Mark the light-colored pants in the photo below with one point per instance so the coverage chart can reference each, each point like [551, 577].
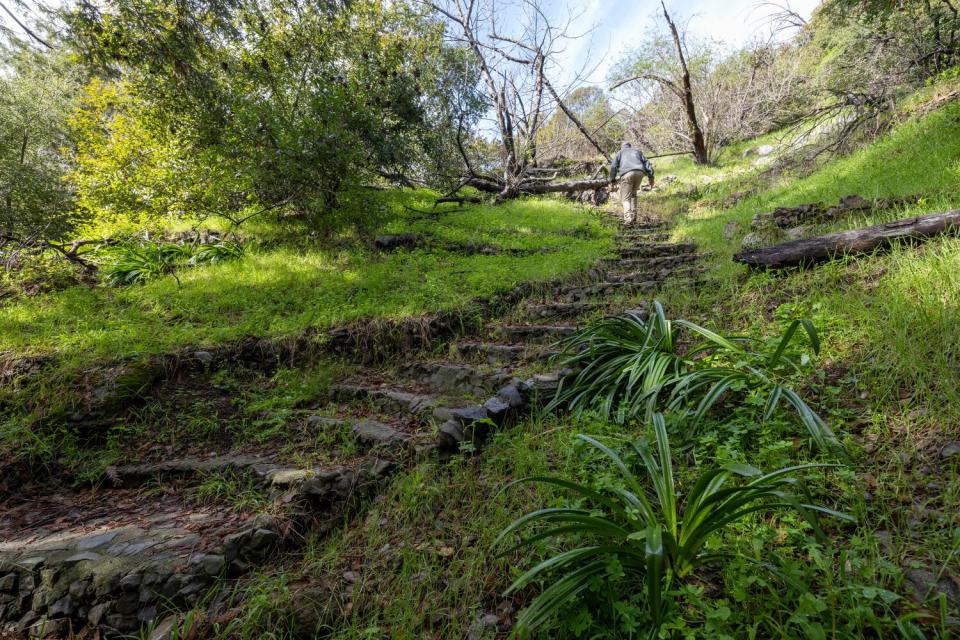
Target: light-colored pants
[629, 183]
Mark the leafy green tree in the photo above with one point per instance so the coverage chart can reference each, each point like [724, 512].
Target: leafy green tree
[37, 92]
[132, 172]
[296, 101]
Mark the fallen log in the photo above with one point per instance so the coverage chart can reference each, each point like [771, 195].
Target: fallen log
[820, 248]
[560, 187]
[530, 187]
[460, 200]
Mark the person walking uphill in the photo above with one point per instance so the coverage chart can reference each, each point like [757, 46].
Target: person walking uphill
[629, 166]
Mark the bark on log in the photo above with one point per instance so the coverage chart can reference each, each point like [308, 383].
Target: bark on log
[559, 187]
[536, 187]
[812, 250]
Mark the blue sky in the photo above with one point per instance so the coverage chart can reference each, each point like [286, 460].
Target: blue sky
[615, 24]
[612, 26]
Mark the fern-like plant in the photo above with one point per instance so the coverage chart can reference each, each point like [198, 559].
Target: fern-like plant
[629, 367]
[645, 529]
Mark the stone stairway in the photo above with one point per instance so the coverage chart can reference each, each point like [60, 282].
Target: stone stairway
[121, 557]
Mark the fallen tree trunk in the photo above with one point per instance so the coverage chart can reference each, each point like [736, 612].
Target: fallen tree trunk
[820, 248]
[533, 188]
[560, 187]
[460, 200]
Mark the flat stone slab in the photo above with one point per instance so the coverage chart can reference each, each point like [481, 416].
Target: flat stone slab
[521, 332]
[373, 433]
[653, 250]
[393, 400]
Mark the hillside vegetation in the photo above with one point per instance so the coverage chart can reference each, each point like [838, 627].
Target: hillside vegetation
[324, 320]
[885, 380]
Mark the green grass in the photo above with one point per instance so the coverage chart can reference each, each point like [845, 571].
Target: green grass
[886, 382]
[281, 289]
[889, 316]
[889, 328]
[293, 276]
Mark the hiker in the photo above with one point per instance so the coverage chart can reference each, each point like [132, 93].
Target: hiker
[629, 165]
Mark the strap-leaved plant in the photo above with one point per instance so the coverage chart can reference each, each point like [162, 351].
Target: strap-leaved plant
[629, 367]
[655, 536]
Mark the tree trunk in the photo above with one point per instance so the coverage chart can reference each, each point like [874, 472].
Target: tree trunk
[812, 250]
[576, 121]
[696, 133]
[535, 187]
[561, 187]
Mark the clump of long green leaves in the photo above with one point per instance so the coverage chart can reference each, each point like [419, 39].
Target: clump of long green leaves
[216, 252]
[630, 367]
[138, 263]
[645, 529]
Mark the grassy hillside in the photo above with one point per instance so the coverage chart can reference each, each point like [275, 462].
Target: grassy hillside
[290, 279]
[887, 316]
[283, 287]
[887, 383]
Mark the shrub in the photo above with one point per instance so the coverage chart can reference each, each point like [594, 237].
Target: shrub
[630, 367]
[634, 536]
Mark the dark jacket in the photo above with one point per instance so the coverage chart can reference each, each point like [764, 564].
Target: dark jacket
[628, 160]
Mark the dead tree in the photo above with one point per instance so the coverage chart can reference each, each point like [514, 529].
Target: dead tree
[682, 88]
[515, 69]
[37, 244]
[696, 133]
[31, 34]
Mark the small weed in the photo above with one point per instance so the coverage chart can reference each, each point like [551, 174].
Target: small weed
[239, 490]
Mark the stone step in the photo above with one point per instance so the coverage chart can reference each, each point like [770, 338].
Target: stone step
[372, 433]
[524, 332]
[577, 293]
[654, 249]
[366, 431]
[657, 275]
[111, 562]
[456, 377]
[389, 400]
[264, 468]
[642, 227]
[497, 353]
[624, 238]
[562, 309]
[658, 262]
